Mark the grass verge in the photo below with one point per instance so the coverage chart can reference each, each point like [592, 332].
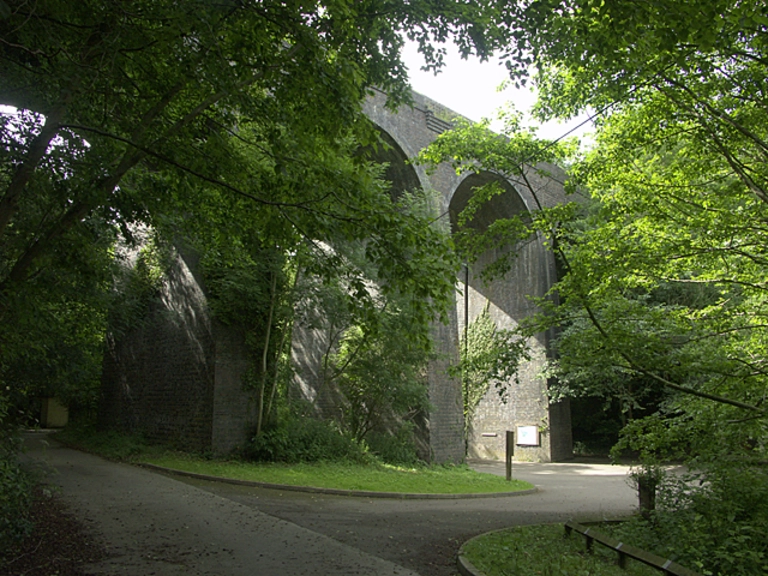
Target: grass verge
[544, 550]
[374, 476]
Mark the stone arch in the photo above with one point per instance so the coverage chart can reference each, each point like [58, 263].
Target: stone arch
[398, 171]
[509, 301]
[504, 205]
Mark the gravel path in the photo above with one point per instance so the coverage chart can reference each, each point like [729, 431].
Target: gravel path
[156, 524]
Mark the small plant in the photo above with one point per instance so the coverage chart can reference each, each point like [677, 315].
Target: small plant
[649, 439]
[646, 479]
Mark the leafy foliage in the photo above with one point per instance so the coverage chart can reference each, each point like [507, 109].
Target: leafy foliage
[84, 435]
[161, 113]
[239, 115]
[15, 484]
[661, 303]
[381, 376]
[489, 355]
[394, 448]
[714, 522]
[299, 439]
[520, 158]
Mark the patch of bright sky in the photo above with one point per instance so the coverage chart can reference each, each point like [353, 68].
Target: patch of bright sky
[470, 88]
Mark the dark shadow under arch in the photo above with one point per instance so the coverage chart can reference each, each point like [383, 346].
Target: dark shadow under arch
[505, 205]
[398, 171]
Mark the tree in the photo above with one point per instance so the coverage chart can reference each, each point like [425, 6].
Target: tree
[381, 375]
[149, 111]
[149, 85]
[166, 113]
[684, 146]
[663, 286]
[678, 175]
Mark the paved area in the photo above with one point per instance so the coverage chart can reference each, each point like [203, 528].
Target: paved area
[157, 524]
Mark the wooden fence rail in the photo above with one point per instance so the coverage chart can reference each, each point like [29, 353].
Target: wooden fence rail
[625, 550]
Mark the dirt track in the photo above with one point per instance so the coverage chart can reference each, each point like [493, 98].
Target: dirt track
[154, 524]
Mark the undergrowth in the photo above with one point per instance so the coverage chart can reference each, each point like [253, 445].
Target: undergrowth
[544, 550]
[15, 492]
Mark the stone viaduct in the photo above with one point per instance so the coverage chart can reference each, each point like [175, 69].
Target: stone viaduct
[179, 377]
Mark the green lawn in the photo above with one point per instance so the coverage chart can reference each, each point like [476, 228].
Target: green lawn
[347, 476]
[373, 476]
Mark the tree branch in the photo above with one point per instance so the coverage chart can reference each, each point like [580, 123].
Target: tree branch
[37, 149]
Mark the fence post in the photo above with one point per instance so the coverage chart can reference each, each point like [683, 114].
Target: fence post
[510, 453]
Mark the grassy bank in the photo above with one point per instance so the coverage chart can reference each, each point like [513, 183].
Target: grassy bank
[372, 476]
[544, 550]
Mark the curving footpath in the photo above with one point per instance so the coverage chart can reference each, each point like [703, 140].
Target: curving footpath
[167, 525]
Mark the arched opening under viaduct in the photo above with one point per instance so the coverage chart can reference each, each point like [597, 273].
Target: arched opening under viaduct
[541, 433]
[398, 171]
[438, 433]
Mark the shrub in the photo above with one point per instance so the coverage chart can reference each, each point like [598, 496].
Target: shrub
[398, 448]
[110, 444]
[303, 440]
[713, 521]
[15, 488]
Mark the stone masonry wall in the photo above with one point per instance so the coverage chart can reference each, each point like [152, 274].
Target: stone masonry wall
[446, 415]
[158, 378]
[176, 377]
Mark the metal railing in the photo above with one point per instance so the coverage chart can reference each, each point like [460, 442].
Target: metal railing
[626, 551]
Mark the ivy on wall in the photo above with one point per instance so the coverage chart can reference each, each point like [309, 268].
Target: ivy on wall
[489, 355]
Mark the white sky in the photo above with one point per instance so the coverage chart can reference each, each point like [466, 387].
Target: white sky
[470, 88]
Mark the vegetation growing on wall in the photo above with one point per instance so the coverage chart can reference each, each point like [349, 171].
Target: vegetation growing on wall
[142, 265]
[489, 355]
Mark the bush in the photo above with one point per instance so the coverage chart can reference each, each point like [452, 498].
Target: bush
[110, 444]
[303, 440]
[714, 522]
[397, 448]
[15, 492]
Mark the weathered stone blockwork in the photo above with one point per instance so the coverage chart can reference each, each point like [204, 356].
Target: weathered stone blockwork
[176, 378]
[409, 131]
